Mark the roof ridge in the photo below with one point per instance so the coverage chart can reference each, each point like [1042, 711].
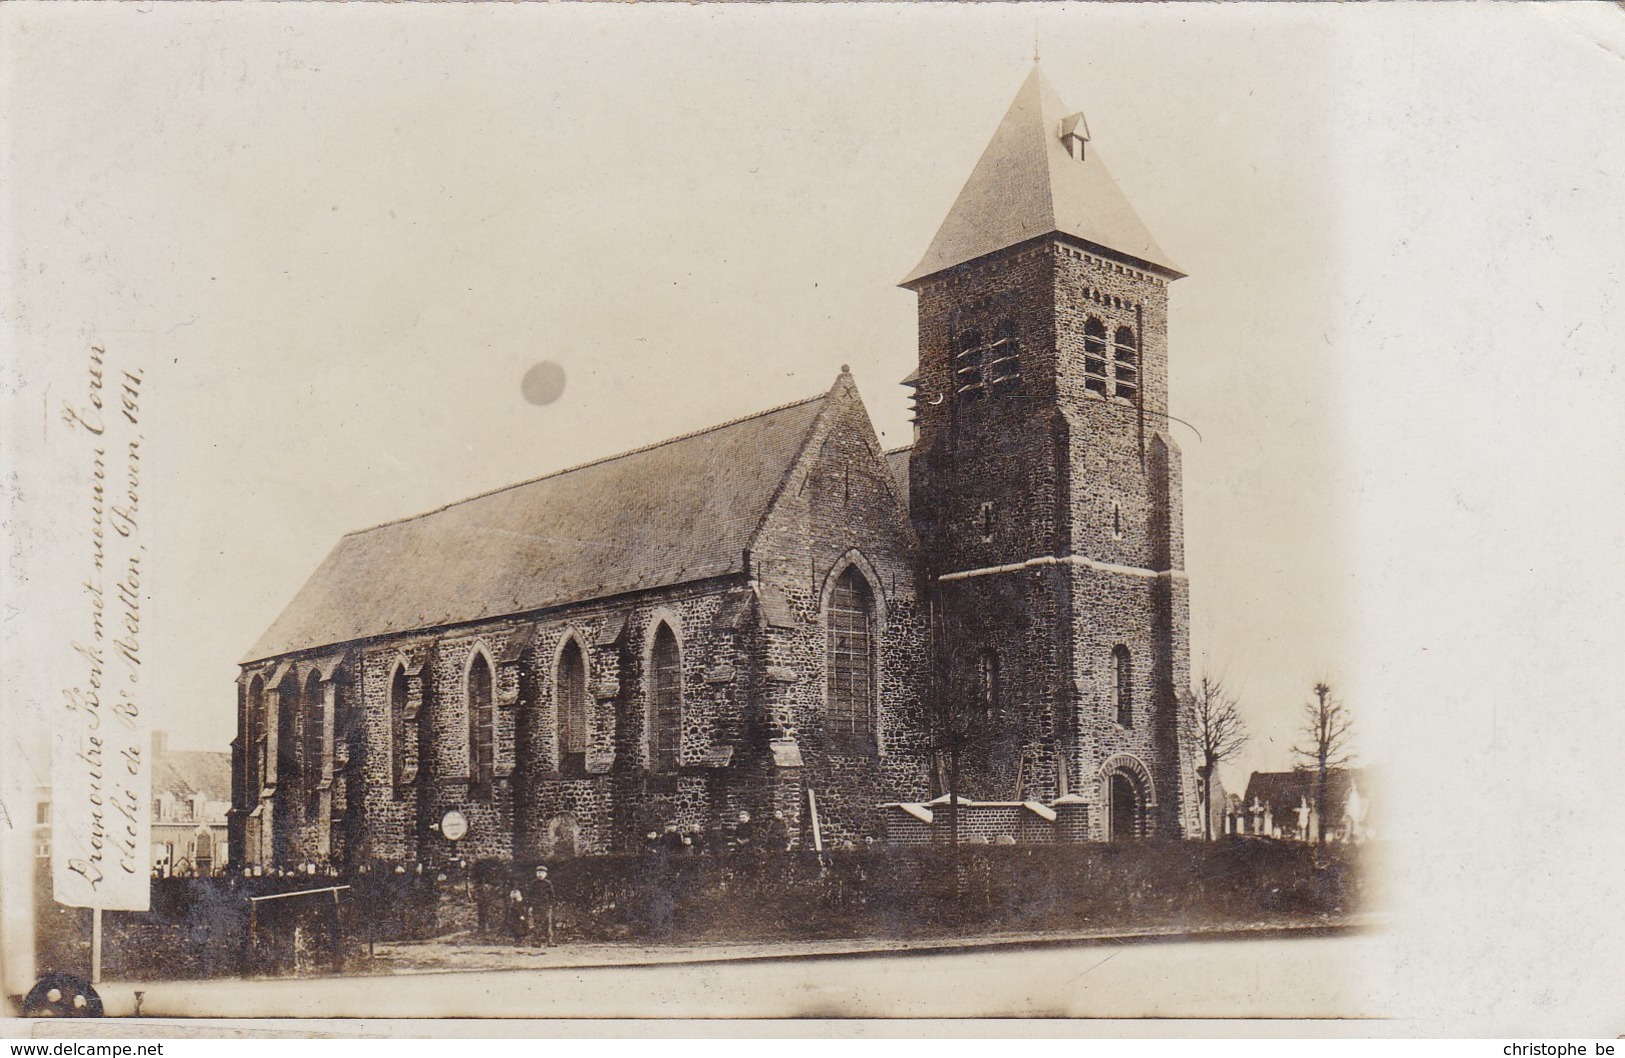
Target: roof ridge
[899, 448]
[594, 462]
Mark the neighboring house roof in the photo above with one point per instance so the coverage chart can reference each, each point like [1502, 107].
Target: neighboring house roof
[897, 463]
[184, 772]
[670, 513]
[1028, 183]
[1284, 791]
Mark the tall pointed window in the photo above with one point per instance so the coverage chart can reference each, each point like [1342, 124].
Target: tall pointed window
[287, 734]
[481, 700]
[254, 739]
[851, 662]
[315, 731]
[1094, 356]
[1123, 684]
[571, 700]
[1127, 355]
[398, 723]
[666, 700]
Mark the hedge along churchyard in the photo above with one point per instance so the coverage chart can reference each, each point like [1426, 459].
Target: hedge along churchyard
[202, 927]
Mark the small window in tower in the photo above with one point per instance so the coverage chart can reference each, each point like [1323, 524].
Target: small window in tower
[968, 366]
[1117, 521]
[1127, 356]
[987, 683]
[1123, 680]
[1094, 356]
[1003, 360]
[986, 521]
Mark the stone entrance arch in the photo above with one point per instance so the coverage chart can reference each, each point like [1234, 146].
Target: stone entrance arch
[1129, 796]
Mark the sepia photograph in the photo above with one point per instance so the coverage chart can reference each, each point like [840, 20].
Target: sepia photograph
[558, 513]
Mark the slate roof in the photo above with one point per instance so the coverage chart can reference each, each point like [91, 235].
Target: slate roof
[1283, 791]
[674, 512]
[1028, 184]
[183, 772]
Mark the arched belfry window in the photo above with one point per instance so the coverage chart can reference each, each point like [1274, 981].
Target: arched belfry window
[481, 698]
[666, 700]
[988, 366]
[850, 710]
[1094, 356]
[1123, 684]
[397, 728]
[1004, 360]
[571, 699]
[968, 365]
[1127, 354]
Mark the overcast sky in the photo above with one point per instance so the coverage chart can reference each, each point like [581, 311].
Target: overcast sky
[342, 234]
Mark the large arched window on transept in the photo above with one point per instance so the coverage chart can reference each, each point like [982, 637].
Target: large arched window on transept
[481, 698]
[1123, 684]
[571, 699]
[850, 709]
[665, 700]
[1094, 356]
[398, 727]
[1126, 353]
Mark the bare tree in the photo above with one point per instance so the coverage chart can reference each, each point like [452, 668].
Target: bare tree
[1215, 731]
[1327, 728]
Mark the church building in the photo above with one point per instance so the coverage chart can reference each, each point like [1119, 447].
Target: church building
[775, 616]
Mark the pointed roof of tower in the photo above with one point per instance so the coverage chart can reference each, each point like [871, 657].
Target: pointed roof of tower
[1031, 181]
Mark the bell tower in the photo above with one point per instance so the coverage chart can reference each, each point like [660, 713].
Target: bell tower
[1044, 485]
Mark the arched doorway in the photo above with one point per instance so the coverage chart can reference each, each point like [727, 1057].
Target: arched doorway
[1126, 818]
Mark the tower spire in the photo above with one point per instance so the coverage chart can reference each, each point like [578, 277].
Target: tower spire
[1035, 178]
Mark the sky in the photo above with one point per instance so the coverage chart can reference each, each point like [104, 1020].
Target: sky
[345, 239]
[338, 237]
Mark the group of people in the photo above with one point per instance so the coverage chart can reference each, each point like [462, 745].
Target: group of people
[530, 910]
[744, 835]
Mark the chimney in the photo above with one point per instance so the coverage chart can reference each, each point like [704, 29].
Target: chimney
[160, 743]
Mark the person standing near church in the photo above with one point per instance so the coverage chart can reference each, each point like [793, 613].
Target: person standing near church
[541, 905]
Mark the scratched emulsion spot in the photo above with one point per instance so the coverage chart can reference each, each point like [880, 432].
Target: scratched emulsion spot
[543, 383]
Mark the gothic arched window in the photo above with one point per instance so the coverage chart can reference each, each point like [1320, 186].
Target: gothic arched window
[397, 728]
[571, 700]
[1094, 356]
[254, 739]
[481, 698]
[850, 711]
[665, 700]
[314, 732]
[287, 734]
[1123, 684]
[1128, 359]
